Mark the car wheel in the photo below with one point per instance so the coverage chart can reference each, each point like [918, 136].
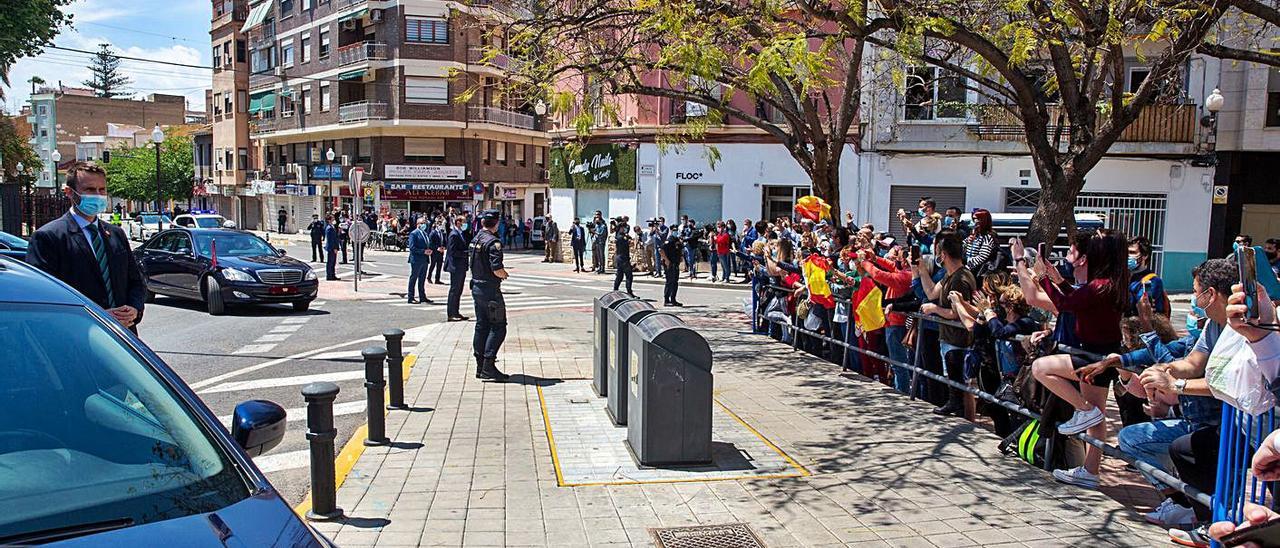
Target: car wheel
[301, 306]
[213, 297]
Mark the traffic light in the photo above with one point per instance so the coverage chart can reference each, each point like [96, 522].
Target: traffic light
[106, 156]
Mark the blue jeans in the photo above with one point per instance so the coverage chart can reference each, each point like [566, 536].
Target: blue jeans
[1150, 442]
[691, 259]
[898, 352]
[417, 277]
[725, 265]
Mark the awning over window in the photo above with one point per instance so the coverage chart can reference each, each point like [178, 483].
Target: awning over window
[352, 74]
[262, 102]
[257, 15]
[354, 15]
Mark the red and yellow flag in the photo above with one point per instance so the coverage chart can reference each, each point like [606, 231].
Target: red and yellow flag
[813, 208]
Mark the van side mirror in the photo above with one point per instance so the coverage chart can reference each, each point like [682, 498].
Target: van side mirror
[258, 426]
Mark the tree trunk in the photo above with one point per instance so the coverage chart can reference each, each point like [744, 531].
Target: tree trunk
[826, 185]
[1056, 208]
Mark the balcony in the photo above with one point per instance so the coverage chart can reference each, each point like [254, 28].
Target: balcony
[344, 4]
[476, 56]
[352, 113]
[232, 12]
[360, 52]
[262, 37]
[502, 117]
[509, 7]
[1159, 123]
[264, 125]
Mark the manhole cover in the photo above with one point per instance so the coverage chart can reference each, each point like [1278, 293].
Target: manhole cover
[733, 535]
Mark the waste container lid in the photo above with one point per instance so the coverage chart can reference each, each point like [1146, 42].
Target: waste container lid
[633, 310]
[610, 299]
[669, 332]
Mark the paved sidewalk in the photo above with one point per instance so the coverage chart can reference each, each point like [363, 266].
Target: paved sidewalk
[472, 464]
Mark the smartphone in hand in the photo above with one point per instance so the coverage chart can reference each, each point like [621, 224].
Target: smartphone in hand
[1043, 250]
[915, 253]
[1265, 534]
[1246, 261]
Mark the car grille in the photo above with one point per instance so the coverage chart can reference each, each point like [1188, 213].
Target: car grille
[280, 277]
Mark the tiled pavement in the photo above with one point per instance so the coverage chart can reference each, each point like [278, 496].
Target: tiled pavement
[471, 464]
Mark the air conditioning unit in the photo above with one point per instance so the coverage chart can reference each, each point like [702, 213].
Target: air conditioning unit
[375, 15]
[279, 72]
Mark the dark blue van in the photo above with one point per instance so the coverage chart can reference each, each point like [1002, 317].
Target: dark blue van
[102, 444]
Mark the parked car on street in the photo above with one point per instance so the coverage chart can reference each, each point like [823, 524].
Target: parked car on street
[13, 246]
[145, 225]
[224, 267]
[203, 220]
[102, 444]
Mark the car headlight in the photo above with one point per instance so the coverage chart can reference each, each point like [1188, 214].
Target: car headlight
[234, 275]
[310, 275]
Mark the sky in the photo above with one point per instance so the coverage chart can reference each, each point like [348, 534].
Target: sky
[165, 30]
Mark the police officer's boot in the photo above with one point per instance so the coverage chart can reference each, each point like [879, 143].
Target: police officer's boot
[491, 370]
[480, 372]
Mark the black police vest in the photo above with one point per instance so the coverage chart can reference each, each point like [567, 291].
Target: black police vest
[481, 246]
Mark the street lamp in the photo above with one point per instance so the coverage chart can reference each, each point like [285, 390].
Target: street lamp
[329, 155]
[540, 108]
[157, 137]
[55, 157]
[24, 180]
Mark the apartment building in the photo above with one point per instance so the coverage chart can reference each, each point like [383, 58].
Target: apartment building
[377, 83]
[59, 117]
[233, 155]
[1247, 145]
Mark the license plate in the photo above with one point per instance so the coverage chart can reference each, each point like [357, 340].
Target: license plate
[288, 290]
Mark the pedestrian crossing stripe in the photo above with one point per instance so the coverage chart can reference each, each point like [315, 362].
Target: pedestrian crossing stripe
[284, 381]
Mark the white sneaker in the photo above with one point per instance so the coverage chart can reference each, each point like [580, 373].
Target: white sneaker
[1172, 515]
[1077, 476]
[1081, 421]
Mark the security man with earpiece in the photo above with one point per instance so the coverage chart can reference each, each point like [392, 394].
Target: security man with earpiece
[487, 273]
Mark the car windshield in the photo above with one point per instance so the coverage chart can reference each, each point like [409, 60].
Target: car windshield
[91, 434]
[232, 244]
[12, 241]
[209, 222]
[153, 219]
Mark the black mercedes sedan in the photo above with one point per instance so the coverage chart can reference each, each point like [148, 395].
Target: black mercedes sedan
[224, 267]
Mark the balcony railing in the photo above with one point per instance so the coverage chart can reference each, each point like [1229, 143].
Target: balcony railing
[360, 52]
[262, 37]
[476, 56]
[510, 7]
[1158, 123]
[502, 117]
[351, 113]
[264, 125]
[344, 4]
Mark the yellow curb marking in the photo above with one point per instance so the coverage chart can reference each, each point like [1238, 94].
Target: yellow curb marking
[350, 454]
[801, 471]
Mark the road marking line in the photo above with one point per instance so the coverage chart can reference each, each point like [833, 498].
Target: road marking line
[300, 319]
[249, 369]
[300, 413]
[283, 461]
[275, 382]
[254, 348]
[318, 303]
[339, 355]
[273, 337]
[384, 301]
[285, 328]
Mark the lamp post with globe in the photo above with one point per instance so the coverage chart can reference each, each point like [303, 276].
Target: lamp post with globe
[157, 137]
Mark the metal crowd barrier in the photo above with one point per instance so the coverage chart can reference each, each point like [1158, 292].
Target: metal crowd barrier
[917, 372]
[1239, 437]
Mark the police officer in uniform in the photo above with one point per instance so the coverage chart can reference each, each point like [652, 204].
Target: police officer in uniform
[487, 273]
[622, 257]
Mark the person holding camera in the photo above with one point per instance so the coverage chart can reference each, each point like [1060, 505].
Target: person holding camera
[622, 256]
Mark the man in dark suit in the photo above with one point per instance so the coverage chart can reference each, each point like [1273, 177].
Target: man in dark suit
[435, 240]
[332, 241]
[419, 258]
[88, 254]
[578, 241]
[456, 264]
[316, 229]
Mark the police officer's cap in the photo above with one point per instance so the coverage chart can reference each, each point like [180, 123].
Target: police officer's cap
[490, 215]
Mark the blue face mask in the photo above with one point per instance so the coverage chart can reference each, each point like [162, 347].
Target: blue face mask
[1133, 263]
[1235, 246]
[947, 221]
[92, 204]
[920, 211]
[1193, 321]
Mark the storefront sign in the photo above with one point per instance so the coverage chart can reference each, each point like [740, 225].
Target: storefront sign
[261, 187]
[688, 175]
[426, 191]
[603, 166]
[325, 171]
[647, 170]
[291, 189]
[426, 172]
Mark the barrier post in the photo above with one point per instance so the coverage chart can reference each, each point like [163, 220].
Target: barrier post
[848, 339]
[395, 368]
[374, 358]
[320, 436]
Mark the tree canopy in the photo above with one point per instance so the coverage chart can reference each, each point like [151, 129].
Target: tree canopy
[131, 174]
[26, 26]
[107, 81]
[14, 148]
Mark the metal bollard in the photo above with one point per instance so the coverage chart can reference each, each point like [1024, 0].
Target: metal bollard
[321, 434]
[395, 368]
[374, 358]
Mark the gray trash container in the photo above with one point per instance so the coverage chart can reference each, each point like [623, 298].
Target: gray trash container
[625, 313]
[669, 414]
[599, 358]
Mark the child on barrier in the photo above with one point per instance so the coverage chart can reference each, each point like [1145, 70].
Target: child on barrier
[1102, 300]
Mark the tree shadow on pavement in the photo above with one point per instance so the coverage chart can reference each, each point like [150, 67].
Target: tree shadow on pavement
[529, 380]
[364, 523]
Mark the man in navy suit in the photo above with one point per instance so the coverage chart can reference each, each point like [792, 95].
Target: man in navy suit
[88, 254]
[420, 252]
[332, 241]
[435, 240]
[578, 241]
[456, 264]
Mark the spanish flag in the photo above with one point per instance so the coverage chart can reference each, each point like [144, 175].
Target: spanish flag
[813, 208]
[815, 275]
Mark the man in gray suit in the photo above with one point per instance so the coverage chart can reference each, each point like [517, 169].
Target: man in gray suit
[551, 241]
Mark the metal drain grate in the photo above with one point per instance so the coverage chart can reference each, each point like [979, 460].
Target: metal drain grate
[733, 535]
